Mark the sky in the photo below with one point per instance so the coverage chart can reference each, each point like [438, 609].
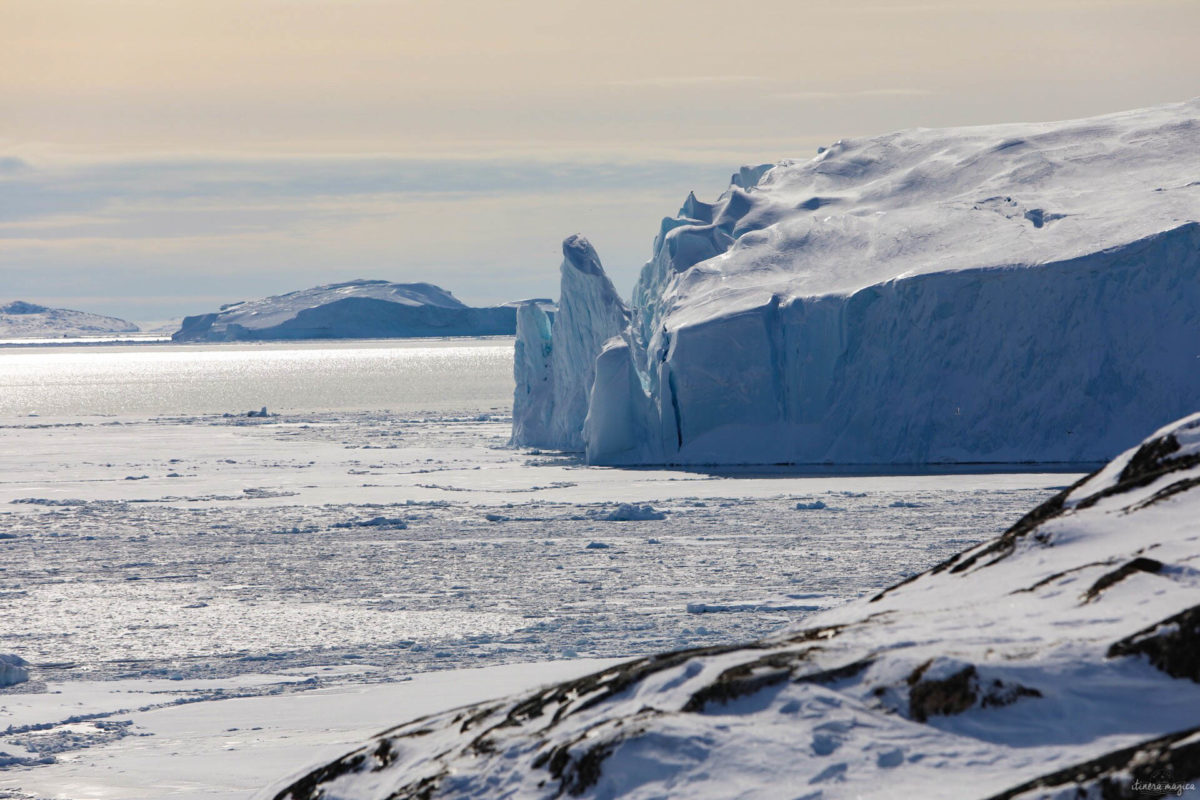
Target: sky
[164, 157]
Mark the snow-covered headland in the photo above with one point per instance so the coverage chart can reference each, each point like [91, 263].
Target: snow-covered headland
[1057, 660]
[21, 320]
[359, 309]
[1009, 293]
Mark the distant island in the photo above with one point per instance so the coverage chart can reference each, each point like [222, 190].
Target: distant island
[21, 320]
[358, 309]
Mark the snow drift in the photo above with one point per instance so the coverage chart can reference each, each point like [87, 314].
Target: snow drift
[20, 319]
[961, 295]
[1057, 660]
[358, 309]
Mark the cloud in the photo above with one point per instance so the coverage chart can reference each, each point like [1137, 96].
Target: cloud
[824, 94]
[91, 192]
[165, 227]
[670, 82]
[10, 165]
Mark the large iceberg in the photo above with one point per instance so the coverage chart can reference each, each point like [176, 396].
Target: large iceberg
[19, 319]
[554, 362]
[358, 309]
[958, 295]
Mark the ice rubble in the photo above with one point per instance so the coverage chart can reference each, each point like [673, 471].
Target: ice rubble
[960, 295]
[353, 310]
[1059, 659]
[19, 319]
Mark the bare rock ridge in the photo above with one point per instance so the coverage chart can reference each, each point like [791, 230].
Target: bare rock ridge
[19, 319]
[970, 295]
[1056, 660]
[359, 309]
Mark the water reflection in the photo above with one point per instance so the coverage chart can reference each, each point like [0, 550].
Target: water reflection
[400, 375]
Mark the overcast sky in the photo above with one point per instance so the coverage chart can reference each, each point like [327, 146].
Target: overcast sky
[162, 157]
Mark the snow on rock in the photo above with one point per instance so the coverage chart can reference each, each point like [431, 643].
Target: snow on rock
[555, 362]
[1057, 660]
[353, 310]
[12, 670]
[975, 294]
[19, 319]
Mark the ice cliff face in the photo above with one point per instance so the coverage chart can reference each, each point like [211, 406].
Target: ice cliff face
[353, 310]
[554, 365]
[1060, 659]
[970, 295]
[12, 669]
[21, 319]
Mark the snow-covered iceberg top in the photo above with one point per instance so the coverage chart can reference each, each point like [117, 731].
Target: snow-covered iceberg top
[19, 320]
[1057, 660]
[354, 309]
[955, 295]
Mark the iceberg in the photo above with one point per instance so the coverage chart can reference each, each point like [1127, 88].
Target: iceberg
[555, 364]
[358, 309]
[19, 319]
[12, 669]
[977, 294]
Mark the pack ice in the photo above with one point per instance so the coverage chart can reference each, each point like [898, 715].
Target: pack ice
[358, 309]
[1058, 660]
[959, 295]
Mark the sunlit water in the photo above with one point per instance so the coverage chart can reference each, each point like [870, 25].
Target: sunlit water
[399, 375]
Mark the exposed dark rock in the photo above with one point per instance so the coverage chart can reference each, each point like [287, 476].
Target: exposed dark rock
[998, 694]
[952, 695]
[309, 786]
[1161, 767]
[1172, 645]
[1151, 461]
[1139, 564]
[576, 774]
[836, 674]
[1062, 573]
[421, 790]
[958, 692]
[746, 679]
[601, 686]
[1149, 458]
[1167, 491]
[1000, 547]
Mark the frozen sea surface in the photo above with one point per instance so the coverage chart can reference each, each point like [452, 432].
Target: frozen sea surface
[213, 546]
[201, 595]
